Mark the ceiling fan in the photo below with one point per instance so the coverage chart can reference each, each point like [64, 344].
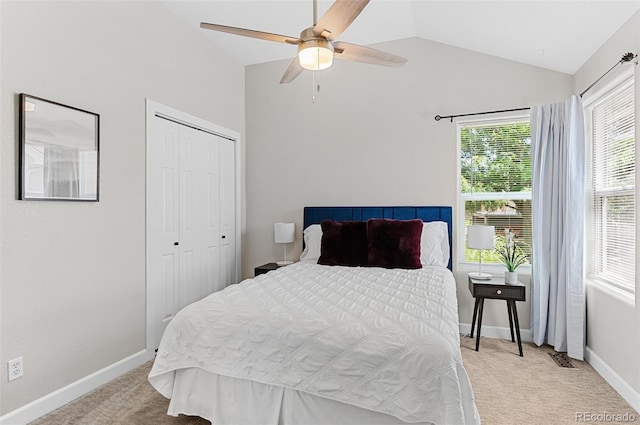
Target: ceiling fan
[316, 45]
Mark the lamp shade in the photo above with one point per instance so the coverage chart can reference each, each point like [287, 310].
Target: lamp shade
[481, 237]
[285, 232]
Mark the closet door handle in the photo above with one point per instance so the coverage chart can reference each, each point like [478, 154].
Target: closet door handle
[223, 236]
[176, 243]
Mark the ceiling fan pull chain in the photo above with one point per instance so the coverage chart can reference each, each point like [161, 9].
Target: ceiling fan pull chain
[317, 74]
[316, 82]
[316, 85]
[313, 87]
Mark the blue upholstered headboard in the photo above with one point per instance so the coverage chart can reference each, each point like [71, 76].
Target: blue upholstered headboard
[315, 215]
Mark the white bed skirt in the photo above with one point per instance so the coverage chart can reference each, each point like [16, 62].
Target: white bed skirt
[261, 404]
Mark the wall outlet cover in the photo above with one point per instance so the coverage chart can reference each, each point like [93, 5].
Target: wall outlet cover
[15, 368]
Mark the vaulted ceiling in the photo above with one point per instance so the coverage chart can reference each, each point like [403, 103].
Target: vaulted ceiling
[558, 35]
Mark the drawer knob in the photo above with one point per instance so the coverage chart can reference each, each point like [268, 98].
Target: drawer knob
[499, 291]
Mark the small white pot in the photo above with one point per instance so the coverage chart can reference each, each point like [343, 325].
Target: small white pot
[510, 277]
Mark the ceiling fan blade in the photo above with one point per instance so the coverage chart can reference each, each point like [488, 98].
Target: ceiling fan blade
[357, 53]
[251, 33]
[339, 16]
[292, 71]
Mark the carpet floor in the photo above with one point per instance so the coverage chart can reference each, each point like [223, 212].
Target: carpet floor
[509, 390]
[533, 389]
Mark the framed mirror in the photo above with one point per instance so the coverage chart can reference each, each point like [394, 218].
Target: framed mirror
[59, 151]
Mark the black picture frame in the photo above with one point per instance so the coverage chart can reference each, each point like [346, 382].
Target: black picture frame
[59, 151]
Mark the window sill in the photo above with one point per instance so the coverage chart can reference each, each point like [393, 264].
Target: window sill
[625, 296]
[491, 268]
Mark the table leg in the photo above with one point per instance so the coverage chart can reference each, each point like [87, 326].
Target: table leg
[517, 325]
[510, 313]
[479, 323]
[475, 314]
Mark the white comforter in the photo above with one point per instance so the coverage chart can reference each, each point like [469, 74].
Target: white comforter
[382, 339]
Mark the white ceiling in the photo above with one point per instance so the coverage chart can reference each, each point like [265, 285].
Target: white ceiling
[558, 35]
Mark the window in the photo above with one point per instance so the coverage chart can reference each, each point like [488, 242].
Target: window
[610, 123]
[495, 179]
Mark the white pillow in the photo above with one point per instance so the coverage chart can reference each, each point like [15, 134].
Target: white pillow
[434, 244]
[312, 237]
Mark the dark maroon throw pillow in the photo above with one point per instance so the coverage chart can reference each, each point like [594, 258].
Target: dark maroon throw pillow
[343, 244]
[394, 243]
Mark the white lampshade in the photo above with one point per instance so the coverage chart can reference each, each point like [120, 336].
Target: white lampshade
[481, 237]
[285, 232]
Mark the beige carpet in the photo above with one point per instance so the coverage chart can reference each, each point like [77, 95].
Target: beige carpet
[128, 400]
[533, 390]
[509, 389]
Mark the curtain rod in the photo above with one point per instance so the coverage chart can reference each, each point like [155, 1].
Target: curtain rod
[451, 117]
[627, 57]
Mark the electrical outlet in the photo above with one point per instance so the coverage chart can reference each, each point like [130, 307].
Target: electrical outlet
[15, 368]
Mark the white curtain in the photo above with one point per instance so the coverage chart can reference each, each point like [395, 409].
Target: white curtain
[61, 172]
[557, 288]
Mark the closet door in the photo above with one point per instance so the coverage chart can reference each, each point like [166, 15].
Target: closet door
[194, 233]
[163, 265]
[191, 218]
[211, 271]
[227, 214]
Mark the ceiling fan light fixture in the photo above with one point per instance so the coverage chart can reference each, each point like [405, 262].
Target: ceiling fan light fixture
[315, 55]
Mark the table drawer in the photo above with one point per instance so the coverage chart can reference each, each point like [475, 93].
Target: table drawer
[502, 292]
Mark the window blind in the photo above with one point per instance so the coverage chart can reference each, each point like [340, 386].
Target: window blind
[495, 176]
[611, 129]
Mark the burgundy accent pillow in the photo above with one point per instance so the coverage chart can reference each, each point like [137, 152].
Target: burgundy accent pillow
[394, 243]
[343, 244]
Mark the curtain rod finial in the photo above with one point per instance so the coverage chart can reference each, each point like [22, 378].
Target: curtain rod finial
[437, 117]
[627, 57]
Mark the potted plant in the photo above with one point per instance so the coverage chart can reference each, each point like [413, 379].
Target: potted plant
[512, 255]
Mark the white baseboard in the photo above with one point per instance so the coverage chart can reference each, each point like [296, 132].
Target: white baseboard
[58, 398]
[496, 332]
[620, 385]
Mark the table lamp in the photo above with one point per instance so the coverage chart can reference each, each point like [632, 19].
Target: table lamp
[480, 238]
[285, 233]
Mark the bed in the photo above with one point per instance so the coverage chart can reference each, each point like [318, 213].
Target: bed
[330, 343]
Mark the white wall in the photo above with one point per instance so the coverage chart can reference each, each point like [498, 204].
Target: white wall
[613, 321]
[73, 274]
[371, 139]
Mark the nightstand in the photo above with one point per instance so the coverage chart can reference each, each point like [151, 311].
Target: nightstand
[265, 268]
[496, 289]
